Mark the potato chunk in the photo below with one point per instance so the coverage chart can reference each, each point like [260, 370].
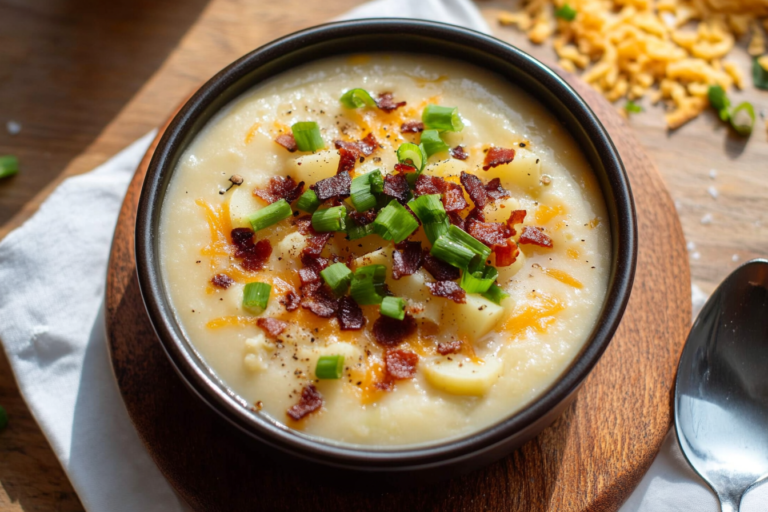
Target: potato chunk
[421, 303]
[257, 352]
[312, 168]
[242, 203]
[524, 171]
[463, 377]
[451, 167]
[476, 317]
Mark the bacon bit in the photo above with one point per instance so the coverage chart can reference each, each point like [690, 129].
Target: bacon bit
[497, 156]
[452, 347]
[350, 315]
[287, 141]
[516, 217]
[396, 186]
[404, 168]
[272, 326]
[475, 188]
[428, 184]
[311, 400]
[254, 256]
[439, 269]
[222, 281]
[490, 233]
[412, 127]
[400, 365]
[506, 254]
[304, 225]
[495, 190]
[406, 259]
[291, 301]
[390, 332]
[348, 156]
[365, 146]
[315, 244]
[387, 103]
[363, 218]
[535, 236]
[474, 214]
[318, 301]
[456, 219]
[336, 187]
[312, 267]
[280, 188]
[453, 196]
[449, 290]
[458, 153]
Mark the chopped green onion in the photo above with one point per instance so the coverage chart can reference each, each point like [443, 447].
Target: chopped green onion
[3, 418]
[377, 181]
[457, 248]
[307, 135]
[362, 197]
[256, 296]
[355, 232]
[269, 215]
[719, 101]
[337, 277]
[566, 12]
[430, 211]
[308, 202]
[329, 219]
[495, 294]
[329, 367]
[356, 98]
[432, 143]
[393, 307]
[743, 118]
[479, 281]
[444, 119]
[631, 107]
[394, 222]
[411, 154]
[759, 75]
[9, 165]
[368, 284]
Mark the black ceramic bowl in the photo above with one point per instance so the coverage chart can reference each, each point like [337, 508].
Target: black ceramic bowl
[405, 464]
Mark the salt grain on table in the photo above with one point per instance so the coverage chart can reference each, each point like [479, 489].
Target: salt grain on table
[735, 257]
[690, 246]
[712, 173]
[707, 219]
[696, 255]
[712, 191]
[13, 127]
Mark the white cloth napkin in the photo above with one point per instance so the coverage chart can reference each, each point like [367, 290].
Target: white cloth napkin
[52, 273]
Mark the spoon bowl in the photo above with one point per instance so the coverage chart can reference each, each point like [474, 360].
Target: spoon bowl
[721, 392]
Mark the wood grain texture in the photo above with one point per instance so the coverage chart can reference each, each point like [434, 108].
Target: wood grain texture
[589, 459]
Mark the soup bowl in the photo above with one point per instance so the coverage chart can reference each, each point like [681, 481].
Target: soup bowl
[411, 464]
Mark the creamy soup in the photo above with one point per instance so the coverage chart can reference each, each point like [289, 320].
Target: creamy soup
[402, 334]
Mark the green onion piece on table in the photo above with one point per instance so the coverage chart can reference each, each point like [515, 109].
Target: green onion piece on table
[9, 165]
[337, 277]
[759, 74]
[329, 367]
[3, 418]
[307, 136]
[393, 307]
[444, 119]
[479, 281]
[719, 101]
[495, 294]
[432, 142]
[329, 219]
[269, 215]
[566, 12]
[308, 202]
[356, 98]
[631, 107]
[411, 154]
[431, 212]
[743, 119]
[256, 296]
[394, 222]
[367, 285]
[458, 248]
[362, 197]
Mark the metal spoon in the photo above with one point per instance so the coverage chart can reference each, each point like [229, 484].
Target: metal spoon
[721, 393]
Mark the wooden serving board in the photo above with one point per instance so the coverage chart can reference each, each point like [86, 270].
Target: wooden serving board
[589, 459]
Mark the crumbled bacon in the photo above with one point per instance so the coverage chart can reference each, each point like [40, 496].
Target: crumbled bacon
[449, 290]
[291, 301]
[350, 315]
[490, 233]
[412, 127]
[387, 103]
[516, 217]
[458, 153]
[451, 347]
[280, 188]
[311, 400]
[400, 365]
[254, 255]
[287, 141]
[363, 218]
[535, 236]
[390, 332]
[320, 302]
[304, 225]
[222, 281]
[272, 326]
[456, 219]
[336, 187]
[474, 187]
[506, 254]
[453, 196]
[474, 214]
[348, 156]
[396, 186]
[314, 244]
[406, 259]
[428, 184]
[365, 146]
[404, 168]
[497, 156]
[312, 267]
[439, 269]
[495, 190]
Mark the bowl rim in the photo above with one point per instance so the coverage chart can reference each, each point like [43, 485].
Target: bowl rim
[224, 401]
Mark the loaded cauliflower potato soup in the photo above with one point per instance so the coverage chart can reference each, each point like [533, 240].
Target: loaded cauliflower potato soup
[385, 250]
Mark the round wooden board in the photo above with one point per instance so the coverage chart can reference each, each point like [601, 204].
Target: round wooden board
[589, 459]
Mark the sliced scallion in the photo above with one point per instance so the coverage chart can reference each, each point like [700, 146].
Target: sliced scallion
[329, 367]
[444, 119]
[432, 142]
[743, 118]
[256, 296]
[329, 219]
[356, 98]
[308, 202]
[9, 165]
[355, 231]
[362, 197]
[377, 181]
[431, 212]
[394, 222]
[367, 285]
[337, 277]
[456, 247]
[495, 294]
[269, 215]
[566, 12]
[307, 136]
[393, 307]
[411, 154]
[479, 281]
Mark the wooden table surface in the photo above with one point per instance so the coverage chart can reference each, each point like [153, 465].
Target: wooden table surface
[86, 78]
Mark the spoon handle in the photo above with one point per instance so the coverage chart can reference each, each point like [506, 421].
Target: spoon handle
[729, 503]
